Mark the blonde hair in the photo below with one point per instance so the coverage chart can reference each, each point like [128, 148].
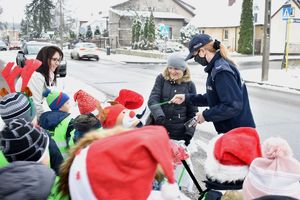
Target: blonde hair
[232, 195]
[223, 51]
[63, 184]
[185, 78]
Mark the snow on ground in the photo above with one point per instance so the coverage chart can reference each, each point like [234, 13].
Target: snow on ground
[282, 80]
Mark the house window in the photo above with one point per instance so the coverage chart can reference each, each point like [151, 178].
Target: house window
[255, 18]
[201, 31]
[225, 34]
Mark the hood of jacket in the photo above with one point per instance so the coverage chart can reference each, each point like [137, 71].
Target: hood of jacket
[50, 119]
[185, 78]
[26, 180]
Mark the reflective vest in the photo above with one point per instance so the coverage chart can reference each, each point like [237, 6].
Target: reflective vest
[60, 138]
[55, 194]
[3, 161]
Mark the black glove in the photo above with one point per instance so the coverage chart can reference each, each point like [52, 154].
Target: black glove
[160, 120]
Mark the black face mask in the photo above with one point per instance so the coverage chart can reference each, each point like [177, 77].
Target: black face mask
[201, 60]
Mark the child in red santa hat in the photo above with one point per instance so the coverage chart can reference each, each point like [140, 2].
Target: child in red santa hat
[120, 164]
[120, 112]
[229, 156]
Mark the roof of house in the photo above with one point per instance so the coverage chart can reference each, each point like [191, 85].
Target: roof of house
[189, 8]
[216, 14]
[157, 15]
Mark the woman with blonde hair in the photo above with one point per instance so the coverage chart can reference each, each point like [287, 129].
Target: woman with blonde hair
[226, 94]
[175, 79]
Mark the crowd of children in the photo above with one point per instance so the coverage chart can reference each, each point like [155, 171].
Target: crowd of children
[107, 153]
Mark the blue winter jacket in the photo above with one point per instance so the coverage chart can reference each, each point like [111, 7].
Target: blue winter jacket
[226, 96]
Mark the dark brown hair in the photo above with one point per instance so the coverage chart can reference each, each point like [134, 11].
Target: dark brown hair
[44, 55]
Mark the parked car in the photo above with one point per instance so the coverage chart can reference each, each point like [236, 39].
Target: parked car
[85, 50]
[15, 45]
[3, 46]
[30, 51]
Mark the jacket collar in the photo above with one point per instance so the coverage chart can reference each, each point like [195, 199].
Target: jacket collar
[210, 65]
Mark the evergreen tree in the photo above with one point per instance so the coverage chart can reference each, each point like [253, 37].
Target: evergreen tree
[39, 12]
[146, 30]
[136, 32]
[24, 28]
[151, 29]
[97, 32]
[246, 28]
[89, 33]
[72, 34]
[187, 32]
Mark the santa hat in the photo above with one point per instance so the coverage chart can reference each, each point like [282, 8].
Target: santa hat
[130, 99]
[276, 173]
[121, 166]
[110, 115]
[55, 100]
[86, 103]
[229, 156]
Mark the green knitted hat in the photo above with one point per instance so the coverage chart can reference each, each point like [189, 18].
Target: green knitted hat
[55, 100]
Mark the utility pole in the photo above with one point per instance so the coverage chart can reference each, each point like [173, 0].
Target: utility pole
[266, 49]
[61, 19]
[255, 13]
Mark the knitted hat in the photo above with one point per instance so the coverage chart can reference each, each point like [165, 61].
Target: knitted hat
[85, 123]
[55, 100]
[15, 106]
[21, 141]
[121, 166]
[130, 99]
[276, 173]
[229, 156]
[177, 60]
[86, 103]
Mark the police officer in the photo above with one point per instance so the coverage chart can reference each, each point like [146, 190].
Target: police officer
[226, 94]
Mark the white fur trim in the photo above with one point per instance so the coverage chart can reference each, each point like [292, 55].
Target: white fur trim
[217, 171]
[80, 189]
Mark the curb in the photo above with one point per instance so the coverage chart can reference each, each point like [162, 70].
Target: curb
[274, 87]
[148, 62]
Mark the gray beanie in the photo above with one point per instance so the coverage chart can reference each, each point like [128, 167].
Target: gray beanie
[15, 106]
[21, 141]
[177, 60]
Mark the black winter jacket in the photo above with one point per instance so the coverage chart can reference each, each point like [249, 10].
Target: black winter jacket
[226, 95]
[175, 115]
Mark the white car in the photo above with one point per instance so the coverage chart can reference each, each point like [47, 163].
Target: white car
[85, 50]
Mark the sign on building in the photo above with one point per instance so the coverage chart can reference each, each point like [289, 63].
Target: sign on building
[287, 11]
[164, 30]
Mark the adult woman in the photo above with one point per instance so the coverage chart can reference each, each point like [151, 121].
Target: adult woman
[226, 94]
[175, 79]
[45, 75]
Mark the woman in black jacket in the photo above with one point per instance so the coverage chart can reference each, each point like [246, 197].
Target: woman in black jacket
[175, 79]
